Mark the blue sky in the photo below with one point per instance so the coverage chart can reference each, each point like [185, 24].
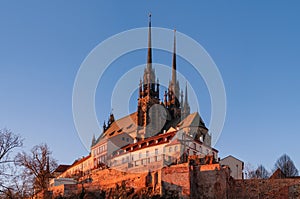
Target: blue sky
[255, 45]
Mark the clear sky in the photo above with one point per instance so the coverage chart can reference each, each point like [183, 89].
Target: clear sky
[255, 45]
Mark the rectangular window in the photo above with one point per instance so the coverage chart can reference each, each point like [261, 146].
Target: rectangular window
[156, 151]
[144, 162]
[176, 148]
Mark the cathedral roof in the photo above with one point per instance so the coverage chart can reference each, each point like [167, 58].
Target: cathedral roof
[125, 124]
[128, 125]
[192, 120]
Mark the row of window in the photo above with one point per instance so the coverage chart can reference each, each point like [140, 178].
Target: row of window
[144, 161]
[101, 159]
[156, 152]
[99, 150]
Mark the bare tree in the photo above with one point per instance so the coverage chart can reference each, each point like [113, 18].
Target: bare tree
[8, 142]
[249, 171]
[261, 172]
[286, 165]
[18, 185]
[38, 164]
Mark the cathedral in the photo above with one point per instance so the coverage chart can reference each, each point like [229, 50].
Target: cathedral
[159, 133]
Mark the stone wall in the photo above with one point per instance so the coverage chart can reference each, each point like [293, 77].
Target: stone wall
[175, 180]
[181, 181]
[108, 178]
[66, 190]
[265, 188]
[208, 184]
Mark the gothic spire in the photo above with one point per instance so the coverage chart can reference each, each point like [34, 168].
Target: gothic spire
[186, 95]
[181, 97]
[149, 74]
[149, 56]
[174, 80]
[174, 84]
[186, 107]
[93, 140]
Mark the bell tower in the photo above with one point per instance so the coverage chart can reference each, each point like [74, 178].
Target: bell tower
[148, 96]
[173, 104]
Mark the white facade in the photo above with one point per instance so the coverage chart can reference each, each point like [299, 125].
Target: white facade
[79, 167]
[158, 151]
[60, 181]
[103, 149]
[236, 166]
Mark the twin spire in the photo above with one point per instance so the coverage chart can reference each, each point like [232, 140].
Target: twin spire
[149, 84]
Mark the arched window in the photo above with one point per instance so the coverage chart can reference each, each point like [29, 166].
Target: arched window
[170, 149]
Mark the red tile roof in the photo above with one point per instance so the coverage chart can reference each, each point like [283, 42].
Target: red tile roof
[76, 162]
[62, 168]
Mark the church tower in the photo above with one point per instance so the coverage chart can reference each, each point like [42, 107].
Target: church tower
[147, 118]
[173, 104]
[152, 114]
[185, 105]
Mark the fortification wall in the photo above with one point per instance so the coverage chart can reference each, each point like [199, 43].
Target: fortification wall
[175, 180]
[265, 188]
[182, 181]
[208, 184]
[109, 178]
